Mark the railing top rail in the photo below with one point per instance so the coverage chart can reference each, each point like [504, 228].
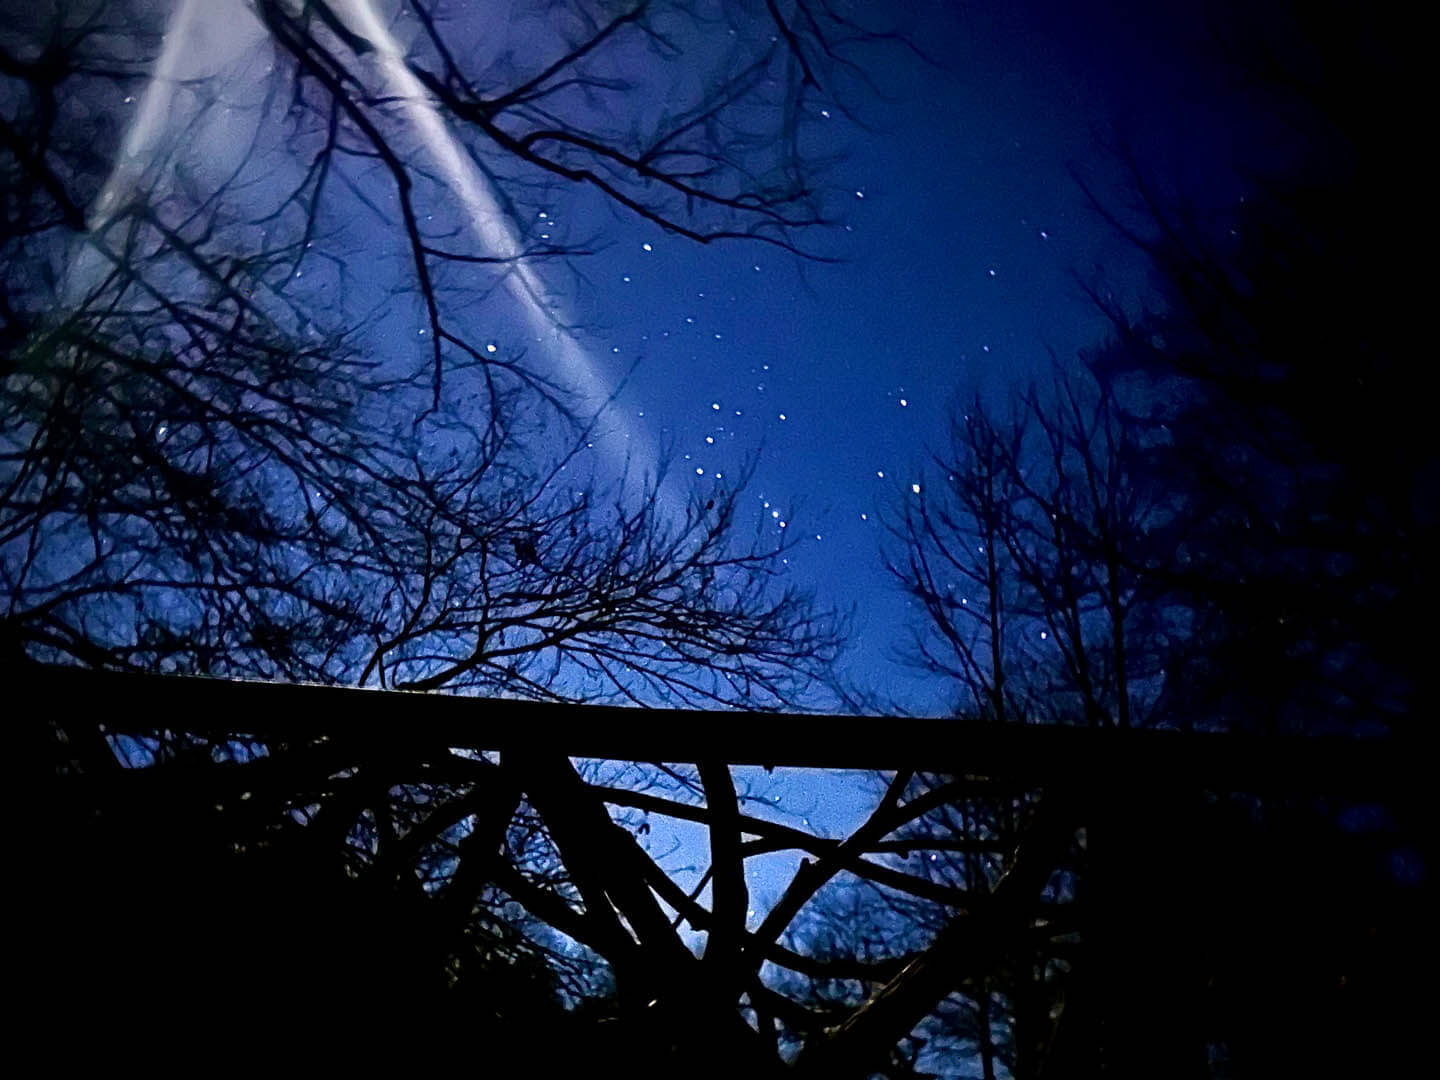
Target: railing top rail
[1029, 754]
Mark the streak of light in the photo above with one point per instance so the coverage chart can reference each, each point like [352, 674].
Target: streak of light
[137, 152]
[187, 44]
[151, 119]
[489, 223]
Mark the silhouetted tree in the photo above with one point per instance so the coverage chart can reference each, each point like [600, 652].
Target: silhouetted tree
[203, 472]
[1192, 534]
[1086, 564]
[1219, 521]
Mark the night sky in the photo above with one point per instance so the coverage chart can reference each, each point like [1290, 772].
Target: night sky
[963, 236]
[960, 232]
[963, 230]
[950, 270]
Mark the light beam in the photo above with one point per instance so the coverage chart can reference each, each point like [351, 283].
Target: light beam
[490, 225]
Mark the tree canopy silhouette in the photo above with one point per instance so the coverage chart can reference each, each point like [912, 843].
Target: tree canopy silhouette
[207, 466]
[1220, 521]
[214, 460]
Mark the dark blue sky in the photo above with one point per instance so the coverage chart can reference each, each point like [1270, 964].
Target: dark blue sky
[966, 229]
[960, 229]
[963, 230]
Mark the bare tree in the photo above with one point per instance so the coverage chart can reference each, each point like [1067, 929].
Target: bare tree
[1212, 523]
[1027, 554]
[1099, 560]
[205, 474]
[202, 472]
